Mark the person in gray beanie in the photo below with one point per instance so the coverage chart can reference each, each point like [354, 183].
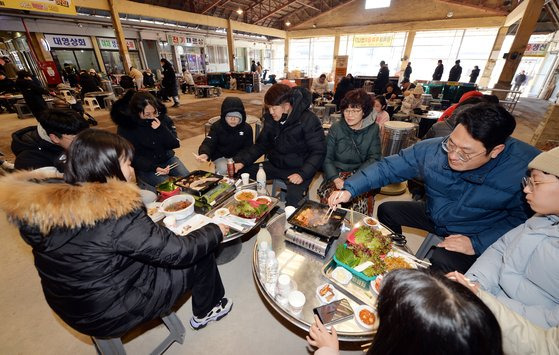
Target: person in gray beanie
[228, 136]
[520, 269]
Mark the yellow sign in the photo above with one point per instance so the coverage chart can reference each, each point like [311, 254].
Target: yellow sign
[379, 40]
[66, 7]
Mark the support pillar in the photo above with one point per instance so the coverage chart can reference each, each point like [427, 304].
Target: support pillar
[525, 29]
[119, 34]
[286, 56]
[230, 46]
[407, 51]
[98, 55]
[336, 50]
[493, 57]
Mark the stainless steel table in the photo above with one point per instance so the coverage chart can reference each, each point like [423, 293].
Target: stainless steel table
[305, 268]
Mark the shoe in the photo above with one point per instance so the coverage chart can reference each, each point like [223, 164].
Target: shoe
[222, 308]
[176, 104]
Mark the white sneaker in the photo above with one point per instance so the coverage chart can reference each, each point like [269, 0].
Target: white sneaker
[222, 308]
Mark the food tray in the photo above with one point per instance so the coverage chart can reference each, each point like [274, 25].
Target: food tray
[360, 275]
[185, 182]
[357, 289]
[329, 230]
[250, 223]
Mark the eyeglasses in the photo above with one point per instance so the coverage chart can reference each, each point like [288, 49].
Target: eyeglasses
[356, 111]
[450, 147]
[152, 114]
[528, 181]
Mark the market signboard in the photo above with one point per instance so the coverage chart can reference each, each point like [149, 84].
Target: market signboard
[536, 49]
[66, 7]
[112, 44]
[178, 40]
[375, 40]
[64, 41]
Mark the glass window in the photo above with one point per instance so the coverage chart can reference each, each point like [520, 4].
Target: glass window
[65, 56]
[365, 60]
[312, 56]
[278, 57]
[135, 60]
[113, 64]
[86, 60]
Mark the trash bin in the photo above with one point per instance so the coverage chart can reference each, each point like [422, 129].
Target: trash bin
[248, 88]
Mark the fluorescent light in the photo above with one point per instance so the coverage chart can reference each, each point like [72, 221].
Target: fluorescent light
[376, 4]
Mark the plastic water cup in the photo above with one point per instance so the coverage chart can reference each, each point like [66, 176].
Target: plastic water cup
[284, 285]
[246, 178]
[288, 212]
[296, 301]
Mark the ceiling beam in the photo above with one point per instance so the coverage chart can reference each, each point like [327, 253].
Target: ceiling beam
[433, 25]
[212, 5]
[276, 10]
[307, 5]
[332, 8]
[496, 11]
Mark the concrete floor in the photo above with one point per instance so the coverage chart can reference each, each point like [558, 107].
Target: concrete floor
[30, 327]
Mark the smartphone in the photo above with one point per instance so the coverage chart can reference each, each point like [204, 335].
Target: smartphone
[150, 120]
[334, 312]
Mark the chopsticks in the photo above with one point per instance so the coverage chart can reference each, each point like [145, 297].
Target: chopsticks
[171, 167]
[328, 214]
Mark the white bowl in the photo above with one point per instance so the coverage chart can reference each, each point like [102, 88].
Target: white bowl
[371, 222]
[180, 214]
[376, 284]
[358, 318]
[148, 196]
[253, 192]
[269, 200]
[325, 299]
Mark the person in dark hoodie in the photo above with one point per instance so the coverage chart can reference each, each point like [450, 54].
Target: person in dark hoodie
[455, 72]
[45, 145]
[105, 266]
[87, 84]
[292, 140]
[169, 82]
[32, 93]
[228, 136]
[143, 121]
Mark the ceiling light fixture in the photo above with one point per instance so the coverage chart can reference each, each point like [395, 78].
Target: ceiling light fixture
[314, 25]
[287, 23]
[240, 11]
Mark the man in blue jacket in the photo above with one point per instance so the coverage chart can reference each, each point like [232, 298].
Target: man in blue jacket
[472, 180]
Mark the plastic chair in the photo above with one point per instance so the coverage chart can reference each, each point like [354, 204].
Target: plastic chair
[109, 100]
[67, 95]
[91, 103]
[114, 346]
[23, 110]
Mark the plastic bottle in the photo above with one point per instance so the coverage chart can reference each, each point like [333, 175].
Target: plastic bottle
[261, 181]
[271, 272]
[264, 235]
[230, 168]
[263, 248]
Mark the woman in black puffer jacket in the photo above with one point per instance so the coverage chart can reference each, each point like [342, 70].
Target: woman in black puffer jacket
[292, 140]
[169, 82]
[143, 121]
[105, 267]
[228, 136]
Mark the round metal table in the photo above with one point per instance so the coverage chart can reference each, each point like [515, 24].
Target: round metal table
[306, 269]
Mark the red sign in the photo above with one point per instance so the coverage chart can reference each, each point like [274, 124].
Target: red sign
[51, 73]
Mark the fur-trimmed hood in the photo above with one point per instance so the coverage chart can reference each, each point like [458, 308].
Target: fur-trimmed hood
[29, 199]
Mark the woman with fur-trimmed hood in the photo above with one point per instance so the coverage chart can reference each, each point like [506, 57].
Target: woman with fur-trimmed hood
[105, 266]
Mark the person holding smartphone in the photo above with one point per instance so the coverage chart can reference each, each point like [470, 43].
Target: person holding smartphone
[423, 312]
[143, 121]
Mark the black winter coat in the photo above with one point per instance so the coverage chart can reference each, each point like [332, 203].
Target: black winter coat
[455, 73]
[149, 80]
[169, 81]
[105, 267]
[33, 152]
[224, 141]
[296, 144]
[474, 75]
[7, 86]
[152, 147]
[382, 79]
[438, 74]
[33, 95]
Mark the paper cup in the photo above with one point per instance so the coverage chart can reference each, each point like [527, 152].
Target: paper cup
[288, 212]
[246, 178]
[296, 301]
[284, 285]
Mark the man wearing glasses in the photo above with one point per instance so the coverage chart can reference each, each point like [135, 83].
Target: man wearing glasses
[472, 181]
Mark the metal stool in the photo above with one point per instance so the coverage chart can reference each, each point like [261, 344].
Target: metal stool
[91, 103]
[113, 346]
[425, 250]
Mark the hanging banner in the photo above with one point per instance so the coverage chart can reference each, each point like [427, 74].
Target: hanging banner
[378, 40]
[536, 49]
[64, 41]
[112, 44]
[66, 7]
[179, 40]
[341, 69]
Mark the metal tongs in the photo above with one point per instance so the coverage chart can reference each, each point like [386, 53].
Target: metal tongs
[330, 210]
